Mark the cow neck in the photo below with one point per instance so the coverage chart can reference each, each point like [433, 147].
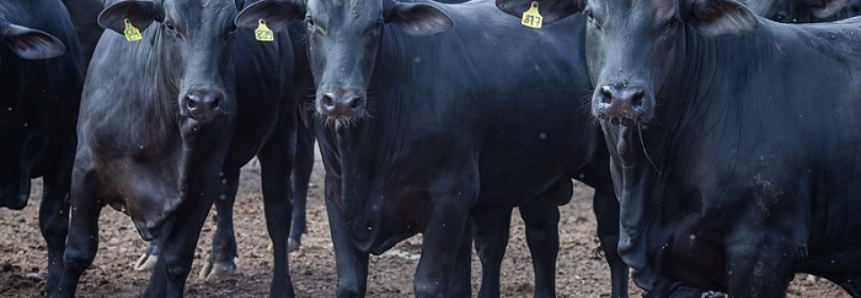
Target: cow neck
[369, 154]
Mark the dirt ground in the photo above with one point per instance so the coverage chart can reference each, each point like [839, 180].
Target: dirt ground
[581, 273]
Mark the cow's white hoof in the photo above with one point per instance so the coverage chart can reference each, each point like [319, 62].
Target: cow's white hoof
[146, 262]
[212, 271]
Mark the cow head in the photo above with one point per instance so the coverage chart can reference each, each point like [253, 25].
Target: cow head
[343, 39]
[194, 39]
[796, 11]
[30, 44]
[633, 46]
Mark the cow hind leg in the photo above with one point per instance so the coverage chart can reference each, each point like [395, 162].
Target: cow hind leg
[148, 258]
[83, 236]
[606, 209]
[303, 165]
[223, 251]
[491, 232]
[276, 162]
[542, 236]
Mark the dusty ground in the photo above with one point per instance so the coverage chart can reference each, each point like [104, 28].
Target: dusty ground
[580, 272]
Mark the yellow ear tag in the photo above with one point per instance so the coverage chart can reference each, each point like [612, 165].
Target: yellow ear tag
[263, 33]
[132, 34]
[531, 18]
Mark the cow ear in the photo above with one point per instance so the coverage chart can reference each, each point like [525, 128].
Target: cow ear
[716, 18]
[550, 10]
[278, 15]
[827, 8]
[139, 13]
[419, 19]
[32, 44]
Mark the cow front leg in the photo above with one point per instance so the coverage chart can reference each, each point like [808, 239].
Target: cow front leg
[303, 166]
[223, 252]
[759, 269]
[490, 232]
[542, 237]
[276, 163]
[54, 217]
[83, 237]
[178, 240]
[351, 264]
[443, 234]
[606, 208]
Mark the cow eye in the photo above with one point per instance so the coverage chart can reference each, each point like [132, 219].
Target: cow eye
[309, 22]
[589, 15]
[380, 22]
[672, 23]
[780, 17]
[231, 29]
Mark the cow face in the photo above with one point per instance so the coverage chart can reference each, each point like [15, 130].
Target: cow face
[194, 41]
[343, 39]
[796, 11]
[633, 46]
[19, 144]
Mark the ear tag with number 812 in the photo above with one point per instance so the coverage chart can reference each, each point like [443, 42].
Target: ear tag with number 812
[132, 34]
[263, 33]
[531, 18]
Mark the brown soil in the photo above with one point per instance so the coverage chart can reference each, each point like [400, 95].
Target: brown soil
[581, 272]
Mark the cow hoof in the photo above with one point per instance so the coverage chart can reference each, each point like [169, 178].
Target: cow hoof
[146, 262]
[38, 276]
[213, 271]
[292, 245]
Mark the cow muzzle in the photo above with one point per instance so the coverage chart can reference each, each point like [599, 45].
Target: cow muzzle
[341, 105]
[202, 105]
[620, 103]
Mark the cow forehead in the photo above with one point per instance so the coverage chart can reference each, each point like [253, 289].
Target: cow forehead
[662, 8]
[346, 8]
[201, 11]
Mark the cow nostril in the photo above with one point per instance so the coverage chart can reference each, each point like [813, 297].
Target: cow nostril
[606, 94]
[190, 102]
[637, 99]
[215, 102]
[355, 103]
[328, 101]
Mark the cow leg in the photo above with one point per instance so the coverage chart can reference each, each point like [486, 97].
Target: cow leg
[221, 256]
[491, 232]
[443, 235]
[351, 264]
[303, 164]
[459, 282]
[54, 217]
[606, 208]
[758, 271]
[178, 239]
[83, 238]
[276, 163]
[542, 236]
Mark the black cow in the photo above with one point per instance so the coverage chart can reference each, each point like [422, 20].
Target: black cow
[167, 123]
[41, 79]
[733, 141]
[805, 11]
[453, 128]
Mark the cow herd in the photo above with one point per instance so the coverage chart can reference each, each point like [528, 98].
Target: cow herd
[722, 140]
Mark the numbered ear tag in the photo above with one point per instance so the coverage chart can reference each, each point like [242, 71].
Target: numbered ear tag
[531, 18]
[263, 33]
[132, 34]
